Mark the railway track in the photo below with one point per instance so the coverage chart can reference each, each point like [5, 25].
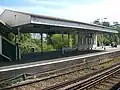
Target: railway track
[73, 68]
[102, 80]
[86, 67]
[49, 75]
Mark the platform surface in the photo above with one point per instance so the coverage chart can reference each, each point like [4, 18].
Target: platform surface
[58, 60]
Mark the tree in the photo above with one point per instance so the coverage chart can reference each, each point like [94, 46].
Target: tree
[107, 38]
[27, 43]
[115, 23]
[97, 22]
[105, 23]
[57, 41]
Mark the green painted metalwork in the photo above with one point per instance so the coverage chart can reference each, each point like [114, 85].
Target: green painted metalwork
[8, 49]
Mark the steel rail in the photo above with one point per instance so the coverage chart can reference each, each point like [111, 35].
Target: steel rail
[81, 80]
[94, 80]
[41, 79]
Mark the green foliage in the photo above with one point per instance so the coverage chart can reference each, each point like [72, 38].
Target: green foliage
[106, 24]
[50, 43]
[27, 43]
[26, 46]
[108, 38]
[57, 41]
[97, 22]
[48, 48]
[26, 36]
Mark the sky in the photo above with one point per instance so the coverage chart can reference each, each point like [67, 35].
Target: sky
[79, 10]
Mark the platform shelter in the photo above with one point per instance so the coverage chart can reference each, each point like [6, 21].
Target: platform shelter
[22, 22]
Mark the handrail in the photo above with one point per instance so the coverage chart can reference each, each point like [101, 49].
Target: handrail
[6, 57]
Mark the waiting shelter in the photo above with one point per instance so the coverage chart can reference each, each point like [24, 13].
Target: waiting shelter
[22, 22]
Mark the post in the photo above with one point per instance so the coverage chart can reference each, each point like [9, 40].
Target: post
[47, 41]
[95, 40]
[0, 44]
[15, 39]
[79, 40]
[68, 39]
[102, 40]
[41, 42]
[117, 39]
[74, 40]
[18, 45]
[88, 42]
[62, 42]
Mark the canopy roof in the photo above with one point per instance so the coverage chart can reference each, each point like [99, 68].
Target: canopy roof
[33, 23]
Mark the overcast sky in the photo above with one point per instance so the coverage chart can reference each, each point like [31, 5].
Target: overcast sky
[80, 10]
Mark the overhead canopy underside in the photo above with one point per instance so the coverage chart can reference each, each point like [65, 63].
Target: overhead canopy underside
[39, 28]
[31, 23]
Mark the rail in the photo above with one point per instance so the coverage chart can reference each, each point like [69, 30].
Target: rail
[94, 80]
[85, 81]
[55, 86]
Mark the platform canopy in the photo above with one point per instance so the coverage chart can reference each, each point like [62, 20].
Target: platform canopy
[32, 23]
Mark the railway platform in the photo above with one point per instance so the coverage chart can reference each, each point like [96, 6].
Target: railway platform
[96, 52]
[52, 64]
